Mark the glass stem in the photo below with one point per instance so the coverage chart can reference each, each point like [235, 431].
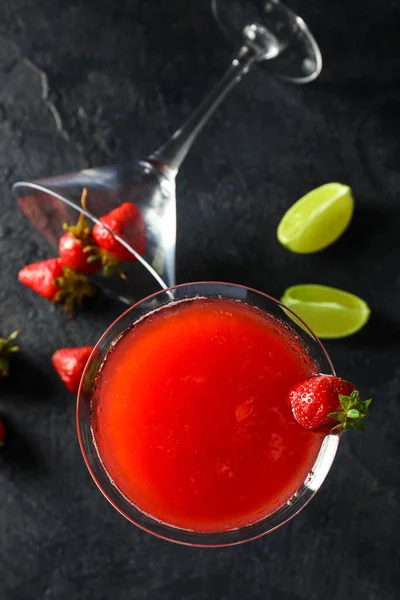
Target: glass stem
[174, 151]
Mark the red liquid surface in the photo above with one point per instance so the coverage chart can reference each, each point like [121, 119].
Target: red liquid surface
[191, 420]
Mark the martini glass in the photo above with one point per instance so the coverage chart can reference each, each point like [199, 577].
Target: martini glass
[266, 33]
[293, 328]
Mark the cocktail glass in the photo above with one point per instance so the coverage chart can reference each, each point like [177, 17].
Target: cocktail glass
[291, 324]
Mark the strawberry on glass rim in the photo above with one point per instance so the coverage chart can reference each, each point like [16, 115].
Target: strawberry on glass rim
[328, 404]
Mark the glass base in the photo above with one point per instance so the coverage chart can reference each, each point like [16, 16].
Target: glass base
[298, 58]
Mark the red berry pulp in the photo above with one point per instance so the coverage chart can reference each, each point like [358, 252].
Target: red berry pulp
[191, 419]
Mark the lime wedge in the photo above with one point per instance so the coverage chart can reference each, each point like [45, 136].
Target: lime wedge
[317, 219]
[329, 312]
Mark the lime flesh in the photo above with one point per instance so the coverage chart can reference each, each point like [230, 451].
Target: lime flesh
[318, 219]
[329, 312]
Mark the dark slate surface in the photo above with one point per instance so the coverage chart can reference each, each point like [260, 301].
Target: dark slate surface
[91, 82]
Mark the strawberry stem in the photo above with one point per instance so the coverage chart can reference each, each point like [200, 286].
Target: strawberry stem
[82, 221]
[82, 230]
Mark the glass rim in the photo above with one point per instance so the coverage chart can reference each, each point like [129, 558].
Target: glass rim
[199, 539]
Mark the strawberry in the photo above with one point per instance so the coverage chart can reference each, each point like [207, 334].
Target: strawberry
[70, 363]
[41, 277]
[2, 433]
[127, 222]
[76, 256]
[50, 279]
[75, 246]
[7, 348]
[326, 403]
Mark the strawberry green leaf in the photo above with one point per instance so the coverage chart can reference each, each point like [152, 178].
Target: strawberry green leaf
[337, 427]
[13, 349]
[338, 416]
[7, 347]
[353, 414]
[344, 402]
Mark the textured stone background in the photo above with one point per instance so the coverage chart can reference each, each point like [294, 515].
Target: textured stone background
[92, 82]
